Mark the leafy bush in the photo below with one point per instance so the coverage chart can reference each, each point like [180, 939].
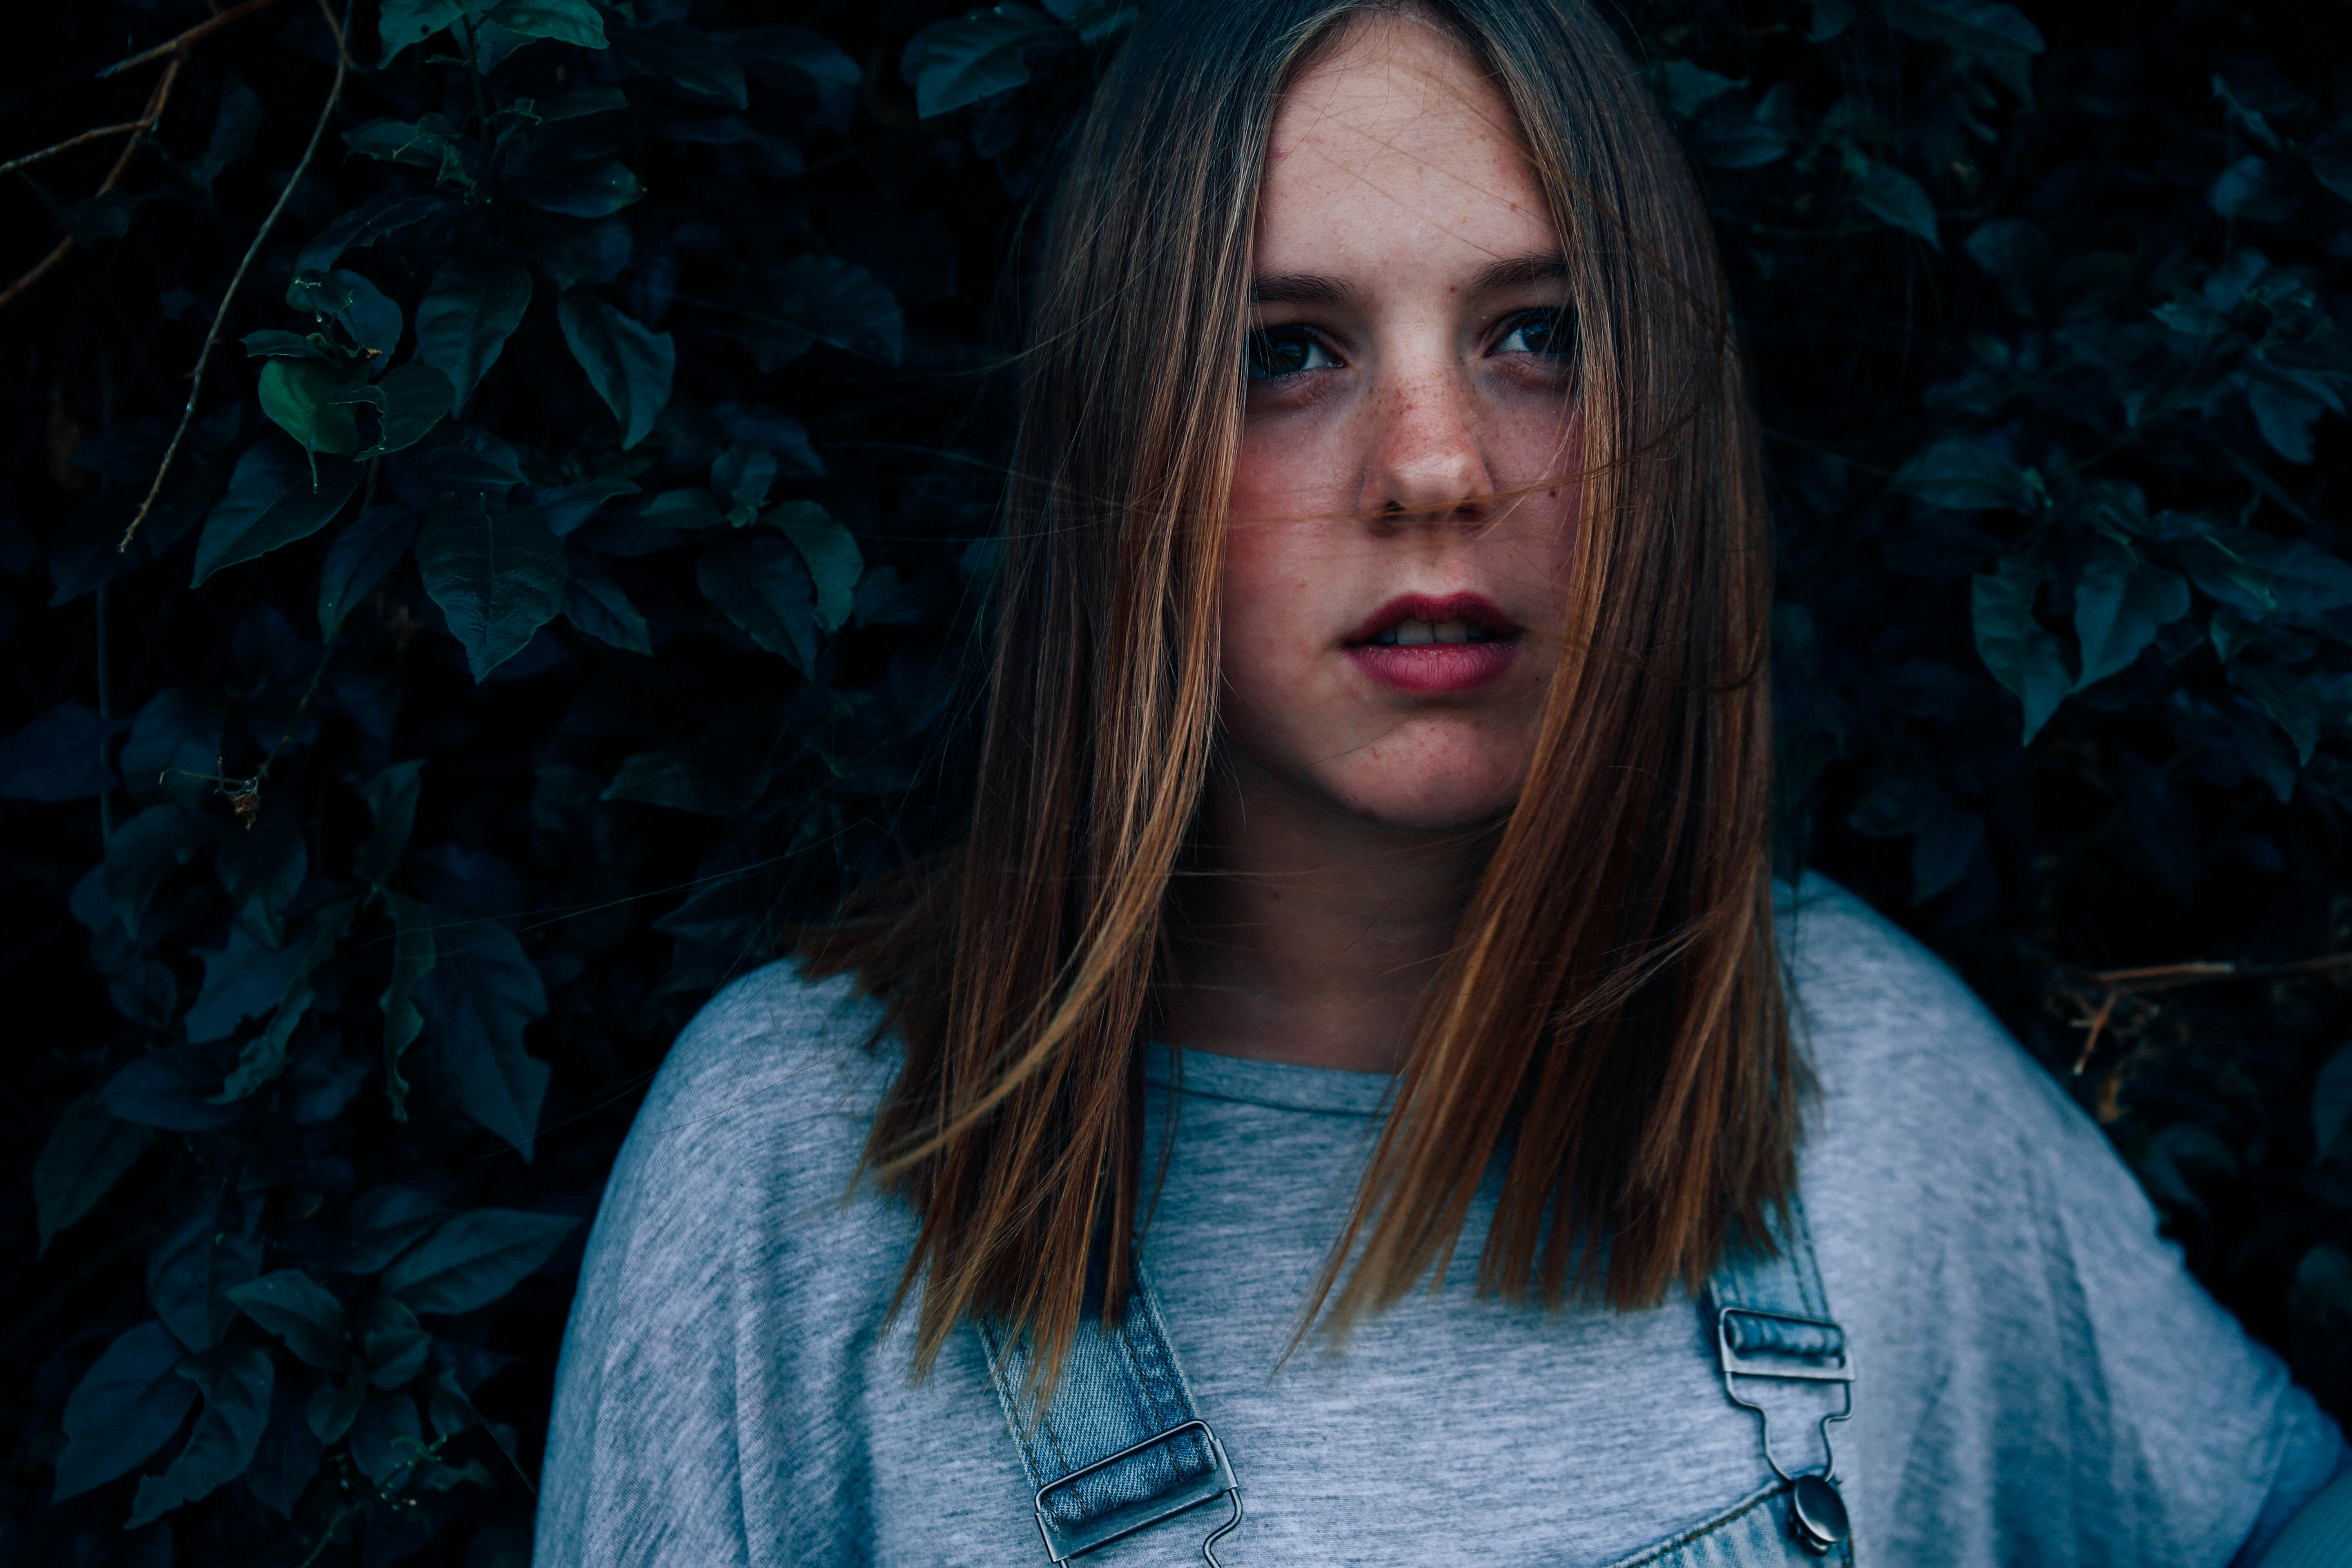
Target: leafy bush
[564, 575]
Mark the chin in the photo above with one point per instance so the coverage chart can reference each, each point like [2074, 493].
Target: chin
[1433, 805]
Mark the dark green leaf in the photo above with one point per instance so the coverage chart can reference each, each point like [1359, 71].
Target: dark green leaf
[582, 101]
[235, 1382]
[408, 402]
[387, 212]
[2017, 254]
[288, 1457]
[479, 998]
[139, 853]
[759, 583]
[243, 980]
[422, 142]
[2021, 653]
[463, 324]
[124, 1409]
[391, 799]
[412, 959]
[358, 559]
[2120, 603]
[1964, 475]
[333, 1408]
[205, 1253]
[370, 320]
[1986, 28]
[476, 1258]
[718, 774]
[401, 23]
[381, 1224]
[595, 189]
[497, 577]
[232, 138]
[272, 502]
[2287, 697]
[1894, 197]
[831, 556]
[393, 1343]
[976, 55]
[565, 21]
[262, 870]
[178, 733]
[264, 1056]
[302, 1312]
[2331, 1101]
[629, 367]
[60, 757]
[841, 303]
[288, 345]
[387, 1438]
[692, 62]
[171, 1089]
[596, 604]
[87, 1152]
[300, 396]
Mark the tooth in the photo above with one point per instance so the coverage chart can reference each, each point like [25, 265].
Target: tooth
[1411, 634]
[1453, 631]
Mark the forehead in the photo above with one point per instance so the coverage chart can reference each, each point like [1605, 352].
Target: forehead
[1394, 150]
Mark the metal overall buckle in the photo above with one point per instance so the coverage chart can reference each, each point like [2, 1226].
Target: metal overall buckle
[1064, 1541]
[1817, 1514]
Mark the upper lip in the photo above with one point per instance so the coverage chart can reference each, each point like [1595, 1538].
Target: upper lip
[1475, 610]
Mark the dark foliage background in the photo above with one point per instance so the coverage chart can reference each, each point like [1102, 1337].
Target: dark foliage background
[374, 821]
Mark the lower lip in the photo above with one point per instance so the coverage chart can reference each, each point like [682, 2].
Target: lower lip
[1435, 669]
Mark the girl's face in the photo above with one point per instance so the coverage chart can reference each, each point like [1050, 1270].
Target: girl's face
[1402, 521]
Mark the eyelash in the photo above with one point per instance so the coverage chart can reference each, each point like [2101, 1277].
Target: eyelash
[1258, 351]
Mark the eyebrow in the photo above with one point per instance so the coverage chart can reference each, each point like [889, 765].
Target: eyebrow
[1314, 288]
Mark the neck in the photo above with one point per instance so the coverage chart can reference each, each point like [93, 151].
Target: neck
[1308, 935]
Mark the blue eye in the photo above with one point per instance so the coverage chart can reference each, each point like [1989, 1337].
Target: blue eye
[1278, 351]
[1550, 333]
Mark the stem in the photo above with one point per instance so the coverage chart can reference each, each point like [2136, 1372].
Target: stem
[12, 165]
[212, 339]
[146, 123]
[179, 45]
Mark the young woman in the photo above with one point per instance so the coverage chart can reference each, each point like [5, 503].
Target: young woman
[1355, 1078]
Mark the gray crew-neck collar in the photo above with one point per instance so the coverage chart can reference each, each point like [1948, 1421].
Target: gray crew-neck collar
[1280, 1085]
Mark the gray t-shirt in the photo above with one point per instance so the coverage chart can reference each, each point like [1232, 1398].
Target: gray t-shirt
[2039, 1380]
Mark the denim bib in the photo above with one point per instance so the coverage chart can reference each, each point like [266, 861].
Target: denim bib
[1123, 1449]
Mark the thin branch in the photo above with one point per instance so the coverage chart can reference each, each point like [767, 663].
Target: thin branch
[179, 46]
[212, 339]
[12, 165]
[146, 123]
[2114, 986]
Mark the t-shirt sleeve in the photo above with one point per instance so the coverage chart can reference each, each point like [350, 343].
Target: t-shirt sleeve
[2041, 1378]
[642, 1465]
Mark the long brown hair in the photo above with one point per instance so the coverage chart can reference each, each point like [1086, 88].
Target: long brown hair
[1609, 1025]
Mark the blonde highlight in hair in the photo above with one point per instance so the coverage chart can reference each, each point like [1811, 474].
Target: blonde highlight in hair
[1609, 1029]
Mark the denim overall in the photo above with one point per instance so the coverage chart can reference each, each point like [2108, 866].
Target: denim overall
[1123, 1447]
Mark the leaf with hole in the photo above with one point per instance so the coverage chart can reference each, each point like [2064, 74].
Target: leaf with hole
[407, 402]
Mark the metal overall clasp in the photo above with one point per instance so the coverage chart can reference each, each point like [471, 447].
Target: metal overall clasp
[1753, 1343]
[1064, 1541]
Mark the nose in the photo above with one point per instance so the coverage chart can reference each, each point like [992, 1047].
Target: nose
[1426, 459]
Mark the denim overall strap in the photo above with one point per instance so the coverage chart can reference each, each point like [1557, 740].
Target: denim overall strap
[1121, 1446]
[1782, 1355]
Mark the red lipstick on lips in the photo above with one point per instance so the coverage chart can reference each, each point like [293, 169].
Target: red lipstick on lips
[1389, 648]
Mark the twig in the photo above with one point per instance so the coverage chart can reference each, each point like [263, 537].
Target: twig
[2116, 985]
[179, 46]
[212, 339]
[244, 796]
[145, 122]
[12, 165]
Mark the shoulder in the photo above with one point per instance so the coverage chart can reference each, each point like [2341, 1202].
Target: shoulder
[1896, 1037]
[766, 1096]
